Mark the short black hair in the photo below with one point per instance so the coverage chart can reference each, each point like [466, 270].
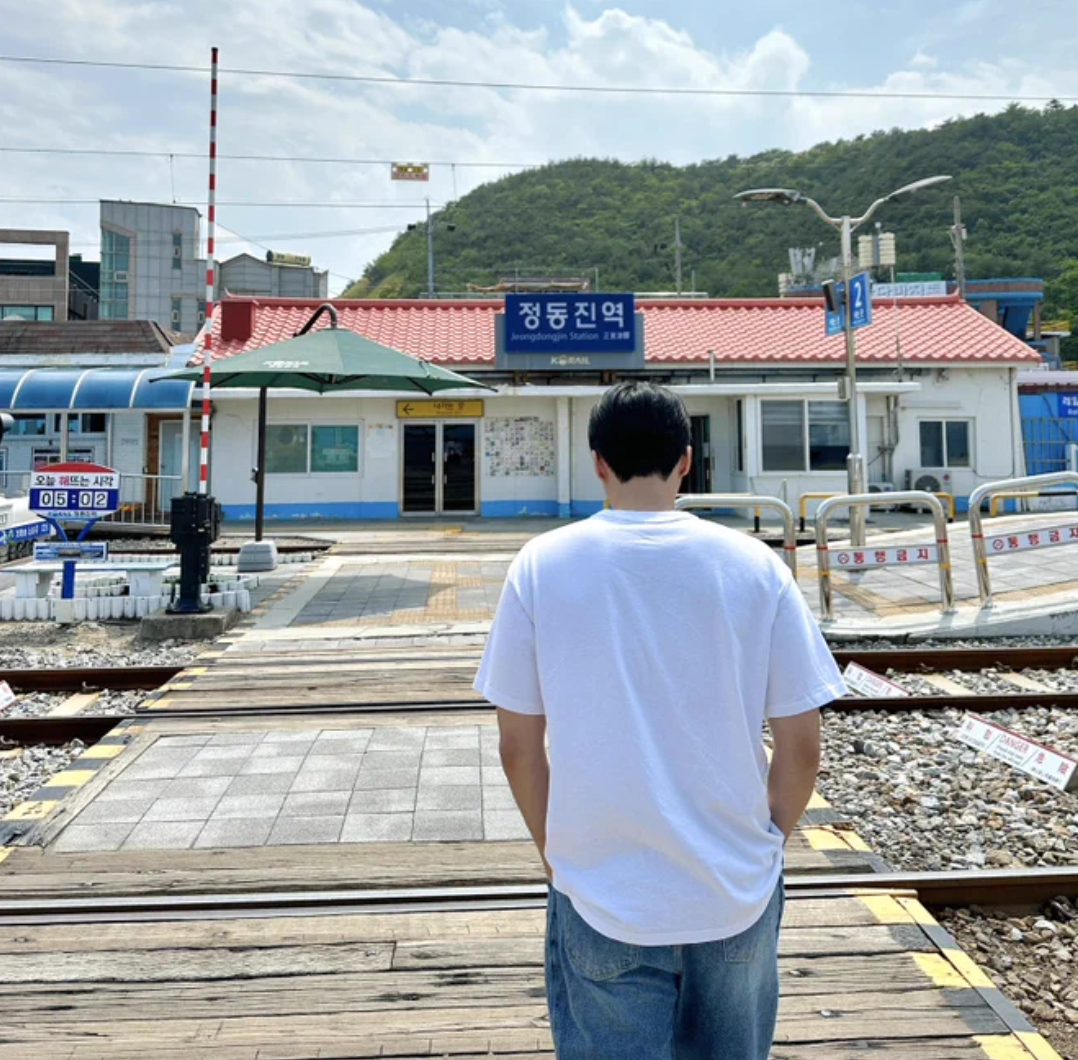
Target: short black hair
[640, 429]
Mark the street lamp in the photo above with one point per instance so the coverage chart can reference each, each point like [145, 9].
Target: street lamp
[846, 225]
[449, 227]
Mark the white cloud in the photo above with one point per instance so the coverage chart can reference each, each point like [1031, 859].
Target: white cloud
[594, 45]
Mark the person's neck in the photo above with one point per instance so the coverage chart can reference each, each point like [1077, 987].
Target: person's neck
[643, 495]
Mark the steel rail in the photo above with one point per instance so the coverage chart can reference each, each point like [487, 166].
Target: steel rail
[934, 660]
[90, 679]
[1006, 888]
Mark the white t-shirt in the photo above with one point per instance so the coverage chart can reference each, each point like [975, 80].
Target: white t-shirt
[657, 643]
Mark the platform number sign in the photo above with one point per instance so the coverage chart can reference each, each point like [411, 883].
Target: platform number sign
[74, 491]
[860, 305]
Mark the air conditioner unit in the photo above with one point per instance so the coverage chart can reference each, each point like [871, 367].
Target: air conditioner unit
[881, 487]
[929, 479]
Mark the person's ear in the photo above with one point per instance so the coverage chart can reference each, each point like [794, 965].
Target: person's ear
[685, 463]
[602, 468]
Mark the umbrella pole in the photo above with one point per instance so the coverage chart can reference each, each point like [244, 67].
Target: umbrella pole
[260, 480]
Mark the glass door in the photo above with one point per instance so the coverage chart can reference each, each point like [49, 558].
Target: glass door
[458, 467]
[420, 489]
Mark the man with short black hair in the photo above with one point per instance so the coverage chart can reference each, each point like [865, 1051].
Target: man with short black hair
[651, 646]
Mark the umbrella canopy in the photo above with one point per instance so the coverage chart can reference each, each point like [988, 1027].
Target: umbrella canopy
[325, 361]
[329, 360]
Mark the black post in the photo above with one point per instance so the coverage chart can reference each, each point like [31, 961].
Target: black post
[260, 486]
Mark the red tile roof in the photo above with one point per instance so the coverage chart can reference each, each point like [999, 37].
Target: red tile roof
[743, 331]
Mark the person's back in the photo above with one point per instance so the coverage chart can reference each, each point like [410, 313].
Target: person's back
[652, 646]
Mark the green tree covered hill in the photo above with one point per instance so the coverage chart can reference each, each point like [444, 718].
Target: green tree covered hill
[1017, 174]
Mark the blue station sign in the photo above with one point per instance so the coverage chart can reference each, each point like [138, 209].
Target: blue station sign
[1068, 406]
[570, 323]
[26, 532]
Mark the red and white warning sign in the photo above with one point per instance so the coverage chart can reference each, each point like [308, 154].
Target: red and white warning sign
[998, 544]
[866, 683]
[850, 559]
[1059, 770]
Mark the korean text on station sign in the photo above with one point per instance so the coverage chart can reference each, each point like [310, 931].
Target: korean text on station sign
[570, 323]
[997, 544]
[1068, 406]
[850, 559]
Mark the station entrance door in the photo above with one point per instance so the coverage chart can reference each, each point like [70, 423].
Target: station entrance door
[438, 472]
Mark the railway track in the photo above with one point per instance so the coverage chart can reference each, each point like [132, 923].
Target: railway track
[1001, 889]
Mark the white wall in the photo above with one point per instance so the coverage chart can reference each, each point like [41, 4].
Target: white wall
[371, 491]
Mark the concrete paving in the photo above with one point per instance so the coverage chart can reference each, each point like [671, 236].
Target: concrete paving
[316, 786]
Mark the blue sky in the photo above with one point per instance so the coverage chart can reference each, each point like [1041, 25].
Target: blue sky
[972, 46]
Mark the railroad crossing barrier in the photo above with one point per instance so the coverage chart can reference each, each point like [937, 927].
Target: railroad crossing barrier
[848, 558]
[1001, 544]
[747, 500]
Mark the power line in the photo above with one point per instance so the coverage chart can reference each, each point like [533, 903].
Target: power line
[201, 156]
[520, 86]
[183, 202]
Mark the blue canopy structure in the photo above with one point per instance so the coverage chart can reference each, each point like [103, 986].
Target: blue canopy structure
[93, 390]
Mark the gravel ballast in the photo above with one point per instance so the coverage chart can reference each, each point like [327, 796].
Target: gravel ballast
[24, 770]
[922, 800]
[1033, 959]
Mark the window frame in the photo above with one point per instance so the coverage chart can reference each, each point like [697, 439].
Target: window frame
[944, 422]
[806, 425]
[309, 426]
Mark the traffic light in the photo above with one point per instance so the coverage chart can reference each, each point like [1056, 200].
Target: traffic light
[7, 422]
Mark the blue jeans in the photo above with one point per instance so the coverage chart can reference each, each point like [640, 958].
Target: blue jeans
[610, 1000]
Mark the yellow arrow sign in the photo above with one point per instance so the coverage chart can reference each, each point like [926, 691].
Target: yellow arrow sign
[440, 410]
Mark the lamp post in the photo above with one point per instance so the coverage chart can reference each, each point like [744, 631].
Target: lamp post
[846, 225]
[449, 227]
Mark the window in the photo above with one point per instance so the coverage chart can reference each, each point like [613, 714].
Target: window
[177, 311]
[945, 443]
[804, 435]
[29, 426]
[27, 312]
[115, 264]
[335, 449]
[87, 423]
[286, 449]
[177, 250]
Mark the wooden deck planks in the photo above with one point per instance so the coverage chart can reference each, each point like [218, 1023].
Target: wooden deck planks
[428, 984]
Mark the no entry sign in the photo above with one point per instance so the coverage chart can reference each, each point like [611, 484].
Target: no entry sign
[74, 491]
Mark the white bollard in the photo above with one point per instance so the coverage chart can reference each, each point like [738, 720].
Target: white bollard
[81, 610]
[116, 607]
[93, 609]
[142, 606]
[7, 609]
[156, 603]
[20, 610]
[130, 609]
[229, 599]
[243, 600]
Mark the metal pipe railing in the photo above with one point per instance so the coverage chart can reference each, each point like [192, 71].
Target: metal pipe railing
[1037, 539]
[888, 555]
[748, 500]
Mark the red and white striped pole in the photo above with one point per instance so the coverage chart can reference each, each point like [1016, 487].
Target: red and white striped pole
[211, 233]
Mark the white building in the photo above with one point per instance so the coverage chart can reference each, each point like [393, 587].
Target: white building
[937, 393]
[275, 276]
[150, 264]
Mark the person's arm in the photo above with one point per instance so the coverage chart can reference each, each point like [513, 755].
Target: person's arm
[524, 759]
[794, 765]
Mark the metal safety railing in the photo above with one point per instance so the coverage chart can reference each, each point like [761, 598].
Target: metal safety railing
[1003, 544]
[863, 557]
[14, 483]
[885, 501]
[756, 504]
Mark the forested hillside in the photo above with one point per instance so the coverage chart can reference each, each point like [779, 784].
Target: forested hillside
[1017, 174]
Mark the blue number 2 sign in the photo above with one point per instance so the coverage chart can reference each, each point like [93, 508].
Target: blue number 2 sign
[861, 301]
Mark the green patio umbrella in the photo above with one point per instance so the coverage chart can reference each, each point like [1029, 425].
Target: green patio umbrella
[323, 361]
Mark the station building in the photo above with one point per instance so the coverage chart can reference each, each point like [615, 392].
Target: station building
[938, 406]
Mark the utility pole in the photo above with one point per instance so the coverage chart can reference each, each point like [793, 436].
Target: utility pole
[677, 251]
[958, 238]
[430, 254]
[855, 461]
